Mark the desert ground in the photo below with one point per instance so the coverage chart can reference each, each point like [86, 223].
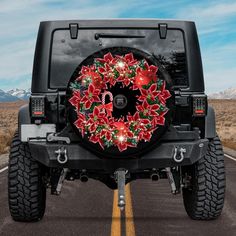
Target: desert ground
[8, 123]
[225, 121]
[225, 117]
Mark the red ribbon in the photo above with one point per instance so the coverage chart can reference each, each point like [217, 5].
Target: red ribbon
[108, 107]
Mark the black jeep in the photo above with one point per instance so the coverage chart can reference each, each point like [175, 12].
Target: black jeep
[116, 101]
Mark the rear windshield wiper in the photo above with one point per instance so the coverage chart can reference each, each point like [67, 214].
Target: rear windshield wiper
[103, 35]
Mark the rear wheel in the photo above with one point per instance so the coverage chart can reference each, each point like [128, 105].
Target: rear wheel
[204, 198]
[26, 191]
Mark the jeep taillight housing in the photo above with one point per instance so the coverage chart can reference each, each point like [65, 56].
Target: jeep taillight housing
[199, 104]
[37, 106]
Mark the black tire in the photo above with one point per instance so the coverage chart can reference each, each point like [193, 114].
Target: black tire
[26, 191]
[204, 198]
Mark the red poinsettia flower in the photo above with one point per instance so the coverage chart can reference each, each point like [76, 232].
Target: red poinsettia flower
[152, 69]
[123, 69]
[107, 133]
[136, 122]
[108, 58]
[96, 139]
[145, 135]
[80, 123]
[123, 144]
[148, 110]
[125, 80]
[144, 76]
[159, 120]
[85, 70]
[150, 93]
[75, 99]
[133, 119]
[108, 74]
[93, 76]
[164, 95]
[96, 118]
[90, 96]
[129, 58]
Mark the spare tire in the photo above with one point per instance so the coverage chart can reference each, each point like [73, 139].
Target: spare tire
[120, 102]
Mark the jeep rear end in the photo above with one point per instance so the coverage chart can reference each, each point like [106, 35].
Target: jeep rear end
[47, 125]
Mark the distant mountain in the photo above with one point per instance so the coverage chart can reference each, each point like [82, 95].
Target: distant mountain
[229, 93]
[20, 93]
[6, 97]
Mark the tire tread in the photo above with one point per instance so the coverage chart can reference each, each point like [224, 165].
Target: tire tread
[205, 201]
[26, 192]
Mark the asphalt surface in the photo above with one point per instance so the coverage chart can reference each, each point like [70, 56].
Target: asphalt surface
[87, 209]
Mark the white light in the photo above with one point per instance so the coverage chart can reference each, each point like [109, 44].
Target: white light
[120, 64]
[121, 138]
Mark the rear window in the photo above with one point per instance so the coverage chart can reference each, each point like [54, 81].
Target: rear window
[68, 53]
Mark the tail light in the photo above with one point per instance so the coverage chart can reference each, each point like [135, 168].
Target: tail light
[37, 105]
[199, 104]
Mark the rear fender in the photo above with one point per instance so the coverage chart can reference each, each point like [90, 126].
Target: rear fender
[23, 117]
[210, 124]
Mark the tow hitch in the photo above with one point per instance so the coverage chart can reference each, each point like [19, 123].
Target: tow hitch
[61, 180]
[120, 177]
[171, 180]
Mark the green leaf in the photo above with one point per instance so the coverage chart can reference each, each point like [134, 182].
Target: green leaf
[98, 64]
[75, 86]
[116, 74]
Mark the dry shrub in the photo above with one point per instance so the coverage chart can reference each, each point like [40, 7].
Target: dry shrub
[8, 123]
[229, 144]
[5, 140]
[225, 121]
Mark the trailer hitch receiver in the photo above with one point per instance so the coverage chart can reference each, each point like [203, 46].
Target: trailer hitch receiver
[120, 176]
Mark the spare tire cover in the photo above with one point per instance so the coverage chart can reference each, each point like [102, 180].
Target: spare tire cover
[119, 102]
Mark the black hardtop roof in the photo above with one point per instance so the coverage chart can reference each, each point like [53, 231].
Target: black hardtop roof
[152, 22]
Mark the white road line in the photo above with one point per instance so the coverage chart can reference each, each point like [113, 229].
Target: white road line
[3, 169]
[230, 157]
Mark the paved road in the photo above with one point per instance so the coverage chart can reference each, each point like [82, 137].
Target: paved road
[87, 209]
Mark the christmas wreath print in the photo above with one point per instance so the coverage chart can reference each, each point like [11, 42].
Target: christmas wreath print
[94, 116]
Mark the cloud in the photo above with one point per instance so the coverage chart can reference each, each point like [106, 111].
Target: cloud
[211, 16]
[220, 56]
[219, 80]
[213, 10]
[17, 59]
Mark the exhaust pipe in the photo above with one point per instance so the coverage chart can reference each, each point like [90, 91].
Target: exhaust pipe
[154, 176]
[83, 177]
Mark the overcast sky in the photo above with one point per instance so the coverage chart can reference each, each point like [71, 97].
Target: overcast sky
[215, 20]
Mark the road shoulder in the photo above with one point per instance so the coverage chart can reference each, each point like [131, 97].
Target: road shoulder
[3, 160]
[229, 151]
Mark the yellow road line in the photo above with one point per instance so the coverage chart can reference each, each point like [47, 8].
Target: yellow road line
[129, 219]
[116, 222]
[116, 215]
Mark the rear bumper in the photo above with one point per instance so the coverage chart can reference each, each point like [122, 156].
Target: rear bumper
[80, 158]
